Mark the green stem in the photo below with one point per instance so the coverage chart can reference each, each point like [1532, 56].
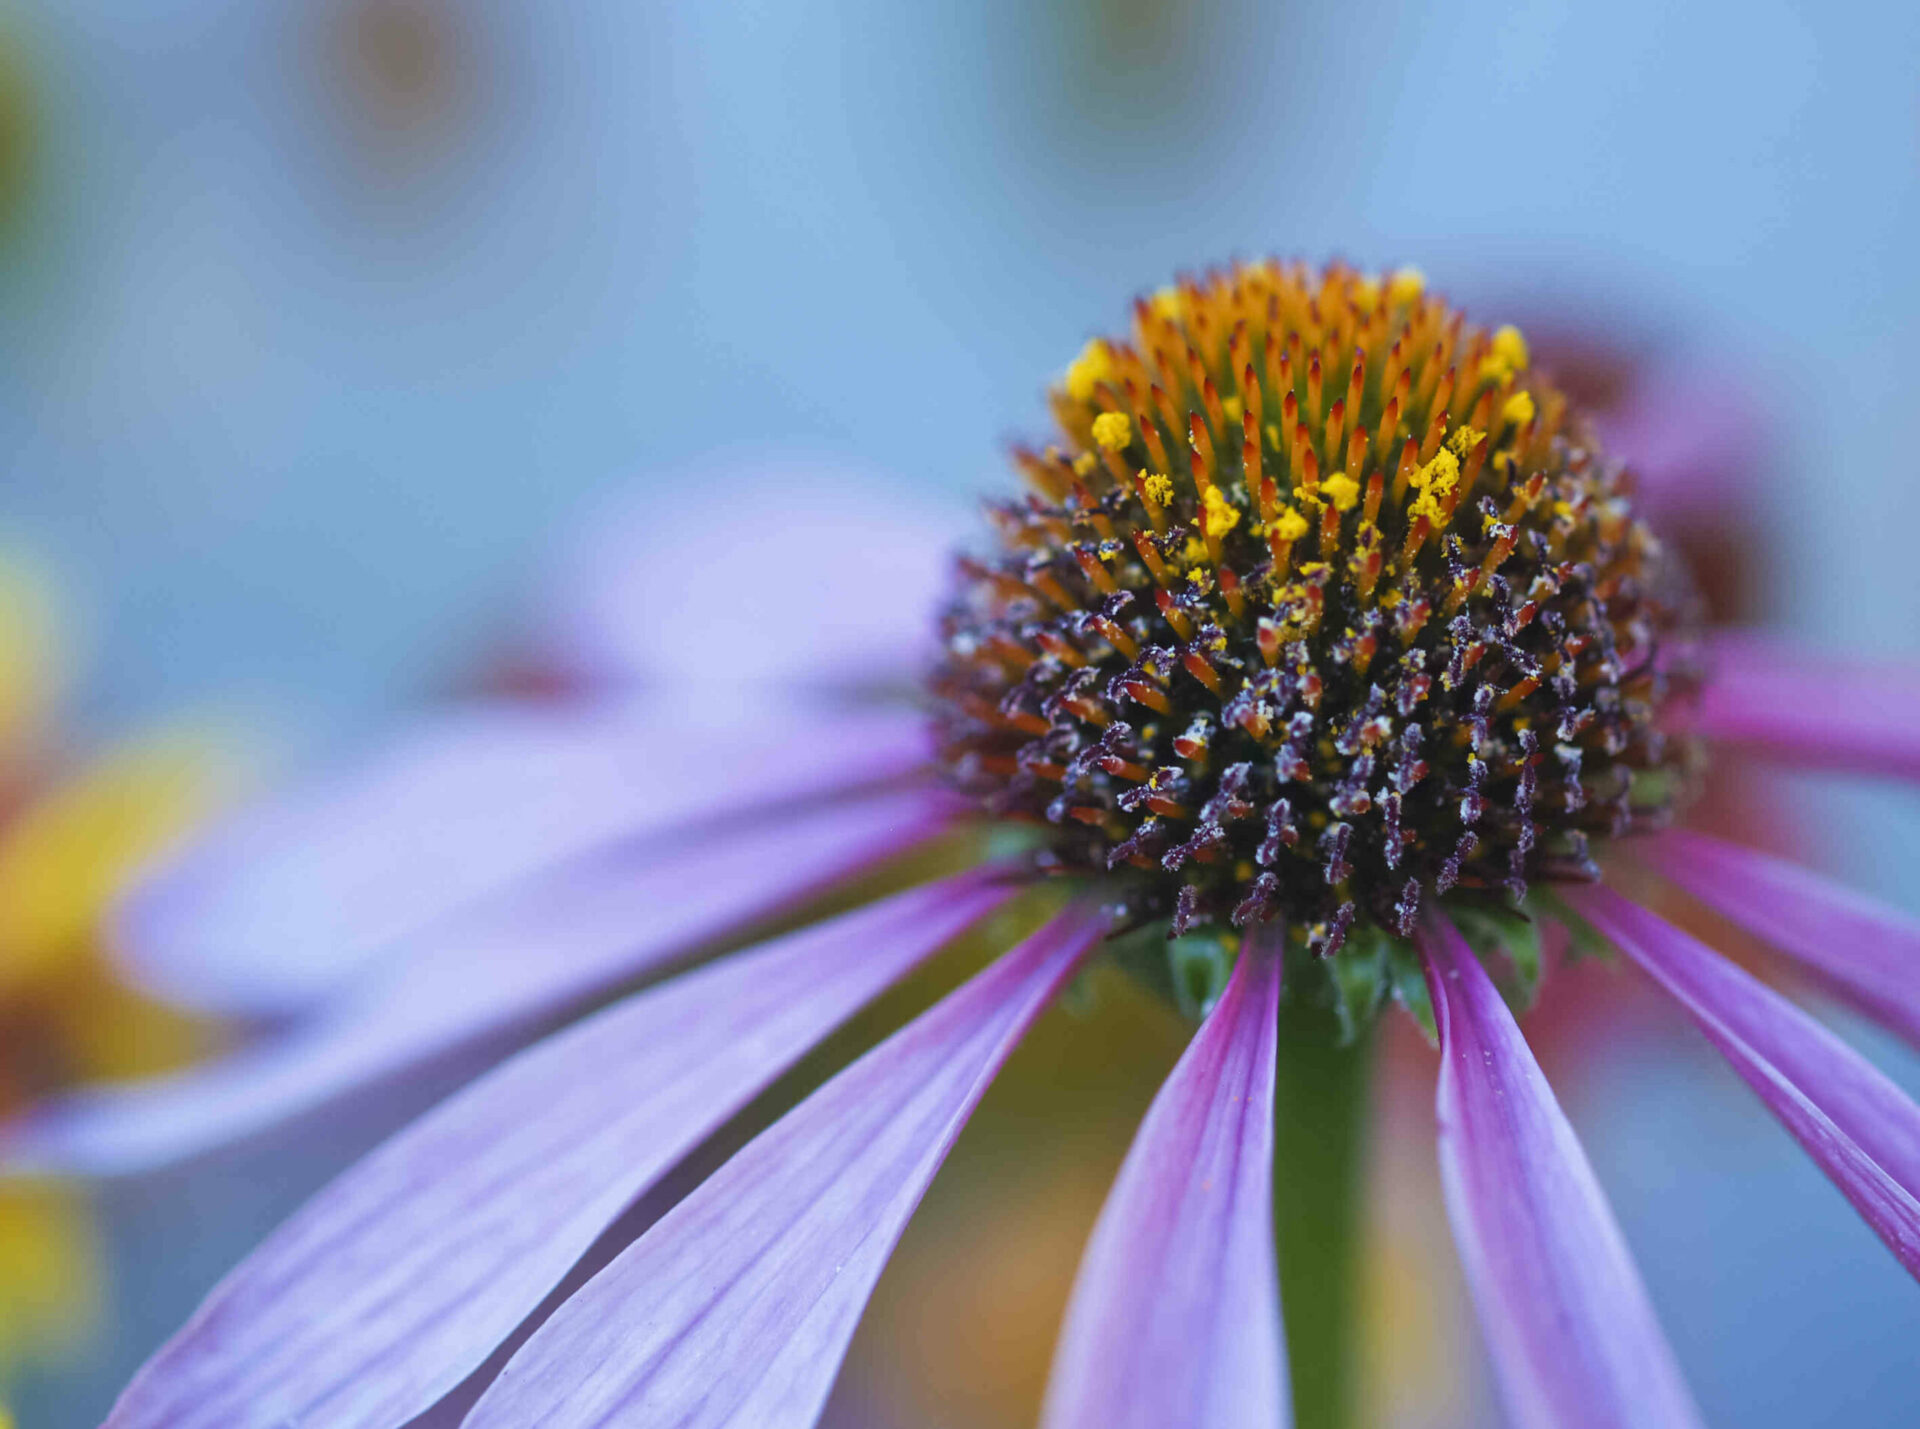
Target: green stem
[1320, 1123]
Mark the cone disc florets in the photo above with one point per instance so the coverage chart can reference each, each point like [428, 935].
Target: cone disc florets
[1324, 606]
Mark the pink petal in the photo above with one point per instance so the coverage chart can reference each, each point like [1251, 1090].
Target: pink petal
[493, 974]
[1859, 1127]
[427, 1254]
[1566, 1318]
[779, 572]
[736, 1307]
[1812, 711]
[1175, 1317]
[1864, 950]
[1694, 437]
[278, 906]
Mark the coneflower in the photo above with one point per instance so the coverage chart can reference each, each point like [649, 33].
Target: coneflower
[1324, 652]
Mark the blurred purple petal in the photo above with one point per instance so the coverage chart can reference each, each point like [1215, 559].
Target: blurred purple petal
[736, 1307]
[1864, 950]
[560, 941]
[1813, 711]
[429, 1252]
[1175, 1317]
[1566, 1319]
[773, 571]
[278, 905]
[1860, 1127]
[1695, 438]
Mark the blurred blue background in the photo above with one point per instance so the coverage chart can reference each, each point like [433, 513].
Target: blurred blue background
[323, 317]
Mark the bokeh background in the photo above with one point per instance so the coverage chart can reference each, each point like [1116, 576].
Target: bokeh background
[325, 321]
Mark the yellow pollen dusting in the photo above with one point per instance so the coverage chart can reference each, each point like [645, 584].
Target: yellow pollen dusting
[1508, 355]
[1195, 551]
[1406, 286]
[1222, 516]
[1518, 409]
[1442, 472]
[1085, 464]
[1167, 303]
[1342, 490]
[1464, 440]
[1366, 294]
[1233, 407]
[1289, 525]
[1436, 482]
[1159, 488]
[1112, 430]
[1093, 366]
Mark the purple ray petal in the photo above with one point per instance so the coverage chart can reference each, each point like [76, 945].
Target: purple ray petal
[1860, 1127]
[1567, 1321]
[561, 941]
[1692, 435]
[429, 1252]
[1175, 1317]
[736, 1307]
[274, 908]
[1866, 951]
[1812, 711]
[847, 572]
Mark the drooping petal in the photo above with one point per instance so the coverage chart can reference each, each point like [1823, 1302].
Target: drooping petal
[277, 906]
[737, 1306]
[1861, 1129]
[1864, 950]
[398, 1279]
[562, 940]
[1566, 1318]
[1814, 712]
[1175, 1316]
[776, 572]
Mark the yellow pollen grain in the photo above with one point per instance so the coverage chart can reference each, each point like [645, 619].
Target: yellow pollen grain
[1195, 550]
[1436, 482]
[1084, 464]
[1233, 407]
[1159, 488]
[1366, 294]
[1464, 440]
[1510, 350]
[1093, 366]
[1442, 473]
[1342, 490]
[1113, 430]
[1221, 515]
[1518, 409]
[1406, 286]
[1289, 525]
[1167, 303]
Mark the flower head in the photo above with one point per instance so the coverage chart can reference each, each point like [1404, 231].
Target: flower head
[1326, 606]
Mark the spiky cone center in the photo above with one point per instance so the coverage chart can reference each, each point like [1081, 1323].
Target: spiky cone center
[1324, 606]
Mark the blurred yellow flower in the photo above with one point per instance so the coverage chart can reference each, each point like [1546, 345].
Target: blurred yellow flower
[48, 1273]
[72, 833]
